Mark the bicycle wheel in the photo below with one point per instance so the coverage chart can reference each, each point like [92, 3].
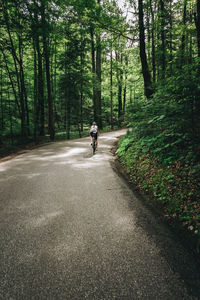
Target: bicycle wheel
[93, 145]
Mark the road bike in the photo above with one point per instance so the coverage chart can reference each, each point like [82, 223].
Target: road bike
[93, 144]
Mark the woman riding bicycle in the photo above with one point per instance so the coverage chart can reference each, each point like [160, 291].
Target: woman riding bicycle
[94, 133]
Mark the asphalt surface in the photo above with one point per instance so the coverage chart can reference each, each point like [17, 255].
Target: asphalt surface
[71, 228]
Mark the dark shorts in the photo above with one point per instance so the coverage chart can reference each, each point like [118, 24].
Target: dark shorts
[94, 134]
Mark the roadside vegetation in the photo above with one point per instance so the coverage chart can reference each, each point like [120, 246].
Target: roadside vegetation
[161, 151]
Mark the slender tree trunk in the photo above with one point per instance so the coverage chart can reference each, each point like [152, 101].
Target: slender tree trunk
[131, 96]
[119, 59]
[190, 39]
[2, 108]
[81, 87]
[10, 118]
[120, 90]
[170, 38]
[182, 60]
[16, 61]
[23, 86]
[48, 76]
[148, 90]
[93, 72]
[12, 83]
[65, 92]
[50, 102]
[53, 72]
[40, 83]
[68, 107]
[153, 43]
[55, 84]
[119, 103]
[111, 88]
[81, 106]
[124, 100]
[98, 76]
[125, 82]
[163, 43]
[197, 22]
[148, 35]
[98, 70]
[35, 103]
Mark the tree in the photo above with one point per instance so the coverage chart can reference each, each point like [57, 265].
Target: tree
[145, 68]
[197, 22]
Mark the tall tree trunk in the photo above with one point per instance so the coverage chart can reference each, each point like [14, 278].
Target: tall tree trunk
[182, 60]
[111, 87]
[163, 43]
[170, 38]
[153, 43]
[119, 102]
[98, 69]
[10, 118]
[190, 40]
[124, 98]
[40, 82]
[2, 108]
[35, 102]
[98, 76]
[119, 74]
[81, 87]
[55, 84]
[148, 90]
[131, 96]
[23, 86]
[125, 81]
[12, 83]
[68, 107]
[16, 62]
[48, 77]
[93, 72]
[65, 90]
[120, 79]
[197, 22]
[148, 34]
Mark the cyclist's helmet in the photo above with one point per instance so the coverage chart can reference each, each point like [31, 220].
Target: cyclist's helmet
[94, 123]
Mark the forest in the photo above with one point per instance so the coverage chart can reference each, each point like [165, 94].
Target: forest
[135, 64]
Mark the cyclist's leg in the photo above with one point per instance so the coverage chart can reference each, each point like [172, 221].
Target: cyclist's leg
[91, 137]
[96, 140]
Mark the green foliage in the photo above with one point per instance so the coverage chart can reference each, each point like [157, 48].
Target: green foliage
[176, 185]
[161, 153]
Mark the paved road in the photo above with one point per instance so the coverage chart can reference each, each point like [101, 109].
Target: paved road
[70, 228]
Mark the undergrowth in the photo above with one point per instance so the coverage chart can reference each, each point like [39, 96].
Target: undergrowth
[161, 153]
[175, 186]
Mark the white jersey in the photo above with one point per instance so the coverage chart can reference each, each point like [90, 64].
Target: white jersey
[94, 129]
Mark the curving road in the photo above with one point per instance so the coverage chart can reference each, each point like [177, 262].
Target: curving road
[71, 228]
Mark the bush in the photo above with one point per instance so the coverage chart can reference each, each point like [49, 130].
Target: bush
[162, 152]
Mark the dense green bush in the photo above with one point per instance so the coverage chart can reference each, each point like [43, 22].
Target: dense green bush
[161, 153]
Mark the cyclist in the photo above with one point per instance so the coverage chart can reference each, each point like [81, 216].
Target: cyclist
[94, 132]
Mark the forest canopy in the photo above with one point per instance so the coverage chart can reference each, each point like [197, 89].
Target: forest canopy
[65, 63]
